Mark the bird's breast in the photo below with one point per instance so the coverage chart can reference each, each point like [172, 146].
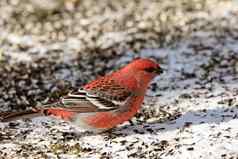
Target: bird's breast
[107, 120]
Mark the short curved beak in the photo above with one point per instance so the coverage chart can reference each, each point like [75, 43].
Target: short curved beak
[159, 70]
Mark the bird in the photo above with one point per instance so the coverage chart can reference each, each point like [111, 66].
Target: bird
[103, 103]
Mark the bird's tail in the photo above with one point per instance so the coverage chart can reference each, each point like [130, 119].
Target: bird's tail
[10, 116]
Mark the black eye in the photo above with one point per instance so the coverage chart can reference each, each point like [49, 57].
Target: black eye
[150, 69]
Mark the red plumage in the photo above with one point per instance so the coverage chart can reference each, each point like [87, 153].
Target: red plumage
[103, 103]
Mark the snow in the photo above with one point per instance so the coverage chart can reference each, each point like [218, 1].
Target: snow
[206, 128]
[200, 95]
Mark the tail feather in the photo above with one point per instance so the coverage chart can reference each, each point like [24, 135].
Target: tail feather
[10, 116]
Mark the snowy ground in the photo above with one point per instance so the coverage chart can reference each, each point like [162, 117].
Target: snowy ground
[198, 90]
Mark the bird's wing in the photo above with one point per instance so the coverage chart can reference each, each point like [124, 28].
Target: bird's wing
[106, 96]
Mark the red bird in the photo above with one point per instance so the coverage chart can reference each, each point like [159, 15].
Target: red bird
[103, 103]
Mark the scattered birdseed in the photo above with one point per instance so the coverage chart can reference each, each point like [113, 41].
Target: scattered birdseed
[191, 109]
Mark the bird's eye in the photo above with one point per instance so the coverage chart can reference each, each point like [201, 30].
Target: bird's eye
[150, 69]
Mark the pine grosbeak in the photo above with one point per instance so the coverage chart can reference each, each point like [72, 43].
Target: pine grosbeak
[103, 103]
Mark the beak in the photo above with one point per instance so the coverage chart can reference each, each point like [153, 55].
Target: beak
[159, 70]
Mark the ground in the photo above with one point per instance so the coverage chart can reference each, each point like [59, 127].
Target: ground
[190, 111]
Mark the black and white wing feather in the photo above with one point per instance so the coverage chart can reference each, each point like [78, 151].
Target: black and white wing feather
[95, 101]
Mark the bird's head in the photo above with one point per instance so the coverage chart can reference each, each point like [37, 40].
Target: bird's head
[146, 66]
[143, 69]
